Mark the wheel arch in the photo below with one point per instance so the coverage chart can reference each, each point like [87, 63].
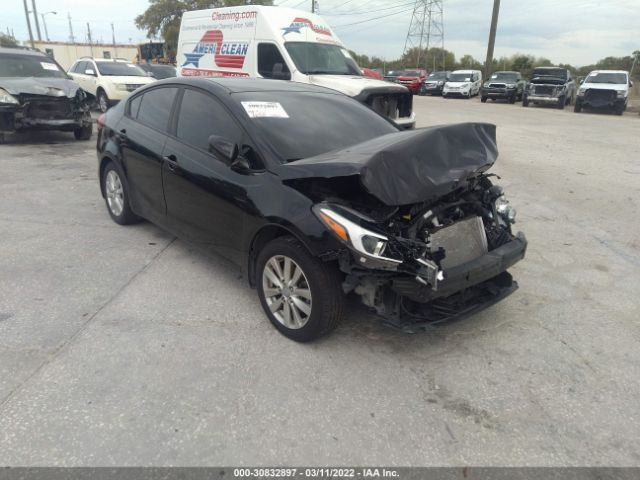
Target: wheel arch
[260, 239]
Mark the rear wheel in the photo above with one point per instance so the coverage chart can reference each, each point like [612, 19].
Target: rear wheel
[103, 101]
[299, 293]
[116, 195]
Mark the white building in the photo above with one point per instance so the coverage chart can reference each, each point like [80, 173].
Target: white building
[66, 53]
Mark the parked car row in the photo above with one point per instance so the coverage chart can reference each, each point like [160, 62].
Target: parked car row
[546, 86]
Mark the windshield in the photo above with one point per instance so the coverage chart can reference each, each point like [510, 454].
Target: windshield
[301, 124]
[408, 73]
[162, 71]
[438, 76]
[120, 69]
[550, 72]
[505, 76]
[615, 78]
[318, 58]
[12, 65]
[460, 77]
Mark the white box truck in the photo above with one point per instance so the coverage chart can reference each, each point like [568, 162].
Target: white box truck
[285, 44]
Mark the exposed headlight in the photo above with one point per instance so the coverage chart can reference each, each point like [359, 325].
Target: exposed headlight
[511, 85]
[363, 241]
[6, 97]
[121, 86]
[505, 210]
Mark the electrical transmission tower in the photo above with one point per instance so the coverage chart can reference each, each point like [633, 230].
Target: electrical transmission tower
[426, 31]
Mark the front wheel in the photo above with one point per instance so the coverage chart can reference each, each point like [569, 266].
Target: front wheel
[483, 99]
[577, 107]
[525, 101]
[84, 132]
[300, 294]
[561, 102]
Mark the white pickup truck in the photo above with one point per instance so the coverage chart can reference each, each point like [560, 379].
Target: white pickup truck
[604, 89]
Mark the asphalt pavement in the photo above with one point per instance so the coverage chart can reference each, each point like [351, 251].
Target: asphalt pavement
[124, 346]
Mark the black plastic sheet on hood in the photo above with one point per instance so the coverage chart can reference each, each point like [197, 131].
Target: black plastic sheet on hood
[408, 167]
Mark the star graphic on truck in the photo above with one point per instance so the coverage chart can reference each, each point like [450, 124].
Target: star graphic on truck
[293, 28]
[192, 59]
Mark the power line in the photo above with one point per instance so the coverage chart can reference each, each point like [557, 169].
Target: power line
[374, 18]
[362, 12]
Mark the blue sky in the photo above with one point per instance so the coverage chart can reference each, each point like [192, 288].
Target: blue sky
[575, 31]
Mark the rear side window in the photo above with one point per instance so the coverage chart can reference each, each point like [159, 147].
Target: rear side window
[134, 106]
[202, 116]
[154, 109]
[268, 57]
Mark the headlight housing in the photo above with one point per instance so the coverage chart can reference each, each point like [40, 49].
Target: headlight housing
[581, 91]
[440, 82]
[511, 85]
[622, 94]
[361, 240]
[7, 98]
[121, 86]
[505, 210]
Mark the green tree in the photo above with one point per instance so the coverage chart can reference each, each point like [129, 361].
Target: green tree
[7, 41]
[467, 62]
[162, 17]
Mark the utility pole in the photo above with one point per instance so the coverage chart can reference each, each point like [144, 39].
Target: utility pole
[113, 40]
[492, 38]
[26, 14]
[35, 17]
[71, 37]
[314, 6]
[89, 37]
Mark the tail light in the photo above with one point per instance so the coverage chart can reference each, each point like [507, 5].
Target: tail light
[101, 121]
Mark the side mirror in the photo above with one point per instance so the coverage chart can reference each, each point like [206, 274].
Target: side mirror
[90, 71]
[278, 72]
[224, 148]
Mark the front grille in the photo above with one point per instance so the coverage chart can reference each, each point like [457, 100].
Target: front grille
[47, 108]
[497, 85]
[393, 106]
[598, 95]
[462, 242]
[543, 89]
[133, 86]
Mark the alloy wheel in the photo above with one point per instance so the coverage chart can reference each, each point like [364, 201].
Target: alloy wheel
[114, 192]
[286, 291]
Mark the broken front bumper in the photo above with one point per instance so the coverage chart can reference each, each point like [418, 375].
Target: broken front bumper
[494, 92]
[47, 113]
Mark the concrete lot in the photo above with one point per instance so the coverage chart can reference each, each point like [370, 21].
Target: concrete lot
[122, 346]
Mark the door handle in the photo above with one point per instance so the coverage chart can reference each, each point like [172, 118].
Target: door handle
[172, 161]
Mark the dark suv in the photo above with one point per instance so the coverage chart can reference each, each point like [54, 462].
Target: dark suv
[504, 85]
[434, 83]
[550, 85]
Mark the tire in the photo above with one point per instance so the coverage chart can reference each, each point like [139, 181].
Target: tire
[577, 107]
[483, 99]
[525, 101]
[307, 318]
[512, 98]
[103, 101]
[561, 103]
[116, 195]
[619, 110]
[83, 133]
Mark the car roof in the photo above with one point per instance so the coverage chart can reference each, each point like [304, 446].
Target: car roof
[506, 71]
[114, 60]
[243, 84]
[22, 51]
[609, 71]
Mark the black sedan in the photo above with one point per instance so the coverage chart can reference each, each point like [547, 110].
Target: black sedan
[313, 195]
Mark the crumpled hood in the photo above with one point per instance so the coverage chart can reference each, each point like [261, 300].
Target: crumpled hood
[353, 85]
[56, 87]
[408, 167]
[544, 80]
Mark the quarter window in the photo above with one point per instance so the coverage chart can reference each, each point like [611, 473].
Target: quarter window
[155, 107]
[202, 116]
[268, 57]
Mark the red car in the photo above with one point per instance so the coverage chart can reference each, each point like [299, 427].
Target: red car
[368, 72]
[412, 79]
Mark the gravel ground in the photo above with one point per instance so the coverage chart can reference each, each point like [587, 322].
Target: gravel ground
[123, 346]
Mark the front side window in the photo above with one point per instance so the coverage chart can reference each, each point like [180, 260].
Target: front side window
[268, 57]
[16, 65]
[202, 116]
[155, 107]
[318, 58]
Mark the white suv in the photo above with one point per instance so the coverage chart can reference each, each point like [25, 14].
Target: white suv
[604, 89]
[109, 80]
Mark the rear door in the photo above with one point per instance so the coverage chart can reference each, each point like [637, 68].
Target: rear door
[142, 133]
[206, 198]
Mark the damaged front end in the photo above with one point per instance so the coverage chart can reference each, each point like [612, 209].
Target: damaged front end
[44, 107]
[428, 236]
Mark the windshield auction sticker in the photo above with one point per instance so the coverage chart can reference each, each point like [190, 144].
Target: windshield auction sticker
[49, 66]
[264, 109]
